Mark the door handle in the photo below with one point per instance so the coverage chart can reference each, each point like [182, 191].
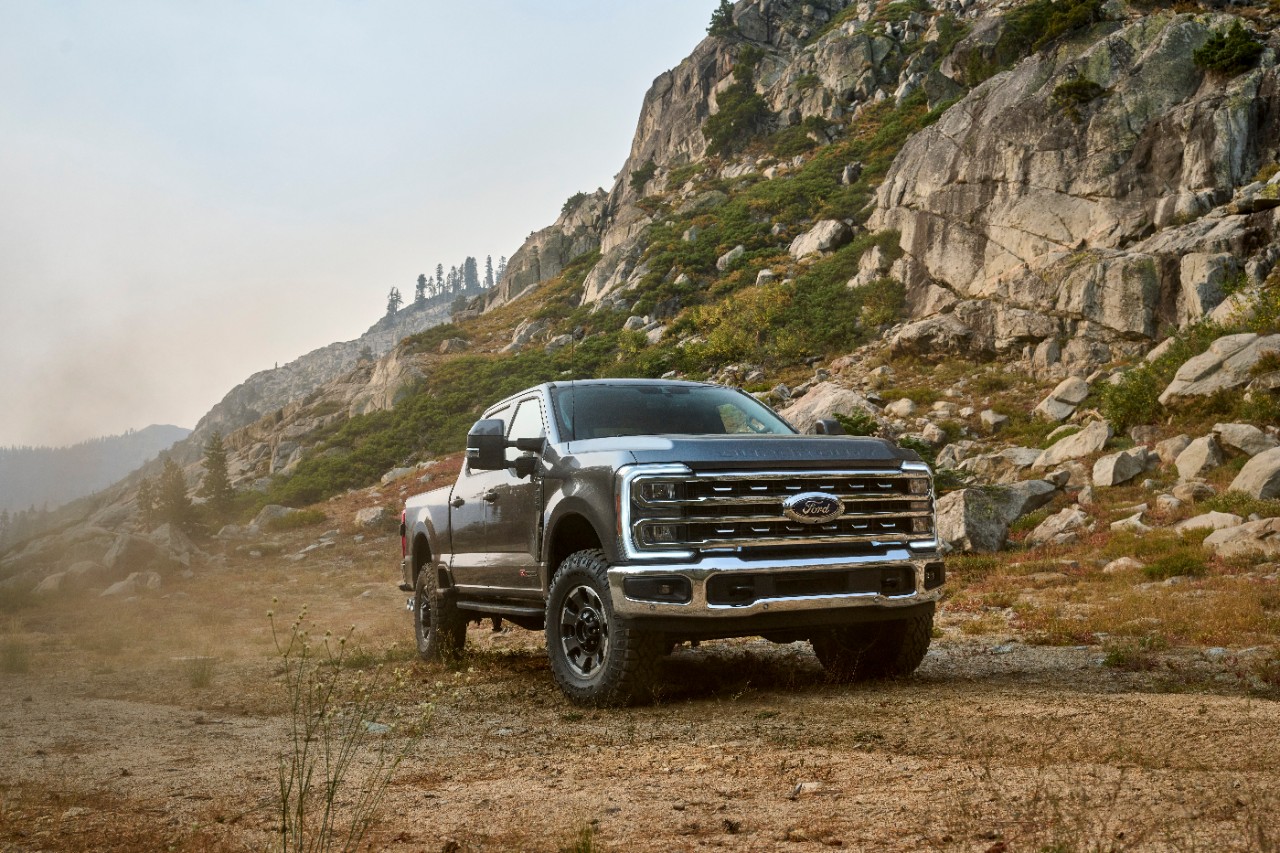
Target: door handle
[490, 496]
[457, 502]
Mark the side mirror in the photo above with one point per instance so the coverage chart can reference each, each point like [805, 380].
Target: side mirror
[530, 445]
[828, 426]
[487, 445]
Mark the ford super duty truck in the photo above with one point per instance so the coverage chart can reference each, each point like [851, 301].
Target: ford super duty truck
[624, 516]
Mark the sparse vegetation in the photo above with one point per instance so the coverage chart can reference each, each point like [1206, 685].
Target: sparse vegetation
[309, 517]
[1074, 94]
[1030, 27]
[742, 113]
[643, 175]
[1231, 51]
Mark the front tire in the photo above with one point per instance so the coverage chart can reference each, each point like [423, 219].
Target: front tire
[438, 627]
[597, 657]
[891, 649]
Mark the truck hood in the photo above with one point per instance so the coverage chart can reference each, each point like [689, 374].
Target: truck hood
[710, 453]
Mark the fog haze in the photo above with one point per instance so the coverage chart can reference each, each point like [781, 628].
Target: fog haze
[194, 192]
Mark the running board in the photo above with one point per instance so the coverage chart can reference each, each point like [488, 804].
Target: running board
[500, 609]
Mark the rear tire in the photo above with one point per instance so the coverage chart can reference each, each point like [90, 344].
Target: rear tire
[891, 649]
[597, 657]
[438, 626]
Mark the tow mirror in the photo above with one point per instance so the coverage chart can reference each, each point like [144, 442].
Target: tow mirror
[828, 426]
[487, 445]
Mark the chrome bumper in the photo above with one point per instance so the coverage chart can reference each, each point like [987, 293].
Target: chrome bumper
[700, 572]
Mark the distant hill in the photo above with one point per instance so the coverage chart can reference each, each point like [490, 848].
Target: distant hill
[36, 476]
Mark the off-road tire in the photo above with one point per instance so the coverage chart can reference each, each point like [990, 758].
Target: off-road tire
[597, 657]
[891, 649]
[438, 626]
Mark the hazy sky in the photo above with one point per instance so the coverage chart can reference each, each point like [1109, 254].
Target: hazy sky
[193, 191]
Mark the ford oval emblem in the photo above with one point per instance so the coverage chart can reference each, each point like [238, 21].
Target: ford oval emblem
[813, 508]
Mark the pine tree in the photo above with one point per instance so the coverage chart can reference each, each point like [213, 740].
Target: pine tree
[439, 279]
[172, 504]
[470, 275]
[488, 272]
[420, 294]
[147, 503]
[722, 20]
[502, 268]
[215, 488]
[394, 301]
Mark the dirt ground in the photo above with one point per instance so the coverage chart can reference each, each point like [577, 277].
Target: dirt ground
[159, 722]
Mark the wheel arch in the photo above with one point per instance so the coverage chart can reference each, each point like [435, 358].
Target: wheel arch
[573, 527]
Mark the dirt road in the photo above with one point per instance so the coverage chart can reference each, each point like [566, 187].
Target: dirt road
[115, 737]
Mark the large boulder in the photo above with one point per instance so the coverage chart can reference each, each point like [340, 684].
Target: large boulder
[1246, 438]
[1253, 538]
[828, 235]
[826, 400]
[1209, 521]
[1117, 468]
[270, 513]
[1200, 457]
[1062, 400]
[978, 519]
[1088, 441]
[1260, 476]
[1003, 466]
[1227, 364]
[135, 583]
[932, 336]
[1062, 528]
[130, 553]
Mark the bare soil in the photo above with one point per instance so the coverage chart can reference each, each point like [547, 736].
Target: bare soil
[159, 722]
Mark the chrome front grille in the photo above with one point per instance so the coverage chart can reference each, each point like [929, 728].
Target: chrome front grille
[745, 510]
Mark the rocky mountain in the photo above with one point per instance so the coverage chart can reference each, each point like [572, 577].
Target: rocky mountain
[1036, 241]
[269, 390]
[40, 476]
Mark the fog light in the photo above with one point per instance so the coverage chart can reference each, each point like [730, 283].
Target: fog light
[672, 590]
[919, 525]
[658, 491]
[918, 486]
[664, 534]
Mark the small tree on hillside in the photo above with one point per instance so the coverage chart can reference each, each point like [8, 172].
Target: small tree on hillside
[172, 504]
[722, 20]
[420, 294]
[394, 301]
[215, 488]
[147, 503]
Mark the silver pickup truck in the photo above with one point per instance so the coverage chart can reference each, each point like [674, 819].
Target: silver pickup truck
[624, 516]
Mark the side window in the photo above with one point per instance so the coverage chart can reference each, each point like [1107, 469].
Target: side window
[526, 423]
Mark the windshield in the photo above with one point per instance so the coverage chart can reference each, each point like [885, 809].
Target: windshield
[605, 411]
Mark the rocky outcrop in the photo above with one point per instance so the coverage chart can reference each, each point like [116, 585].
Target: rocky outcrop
[1228, 363]
[1260, 477]
[1254, 538]
[1087, 442]
[978, 519]
[826, 400]
[1048, 221]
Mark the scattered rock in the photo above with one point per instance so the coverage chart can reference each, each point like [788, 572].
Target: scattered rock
[903, 408]
[826, 400]
[1210, 521]
[1132, 524]
[396, 474]
[1228, 363]
[371, 516]
[723, 262]
[269, 513]
[1169, 449]
[992, 420]
[1062, 528]
[1260, 476]
[1117, 468]
[1246, 438]
[1062, 400]
[1251, 538]
[136, 582]
[828, 235]
[1193, 491]
[1087, 442]
[1121, 564]
[978, 519]
[453, 346]
[1200, 457]
[1004, 466]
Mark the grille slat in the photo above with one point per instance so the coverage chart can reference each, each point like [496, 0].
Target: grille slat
[744, 510]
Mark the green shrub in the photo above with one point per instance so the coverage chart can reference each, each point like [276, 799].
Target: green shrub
[805, 82]
[798, 138]
[1228, 52]
[901, 10]
[429, 340]
[1134, 399]
[722, 20]
[743, 113]
[296, 520]
[1030, 27]
[1070, 96]
[642, 176]
[573, 203]
[859, 422]
[1243, 504]
[882, 301]
[1176, 564]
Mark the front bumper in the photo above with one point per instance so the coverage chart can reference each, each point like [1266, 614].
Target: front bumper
[927, 571]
